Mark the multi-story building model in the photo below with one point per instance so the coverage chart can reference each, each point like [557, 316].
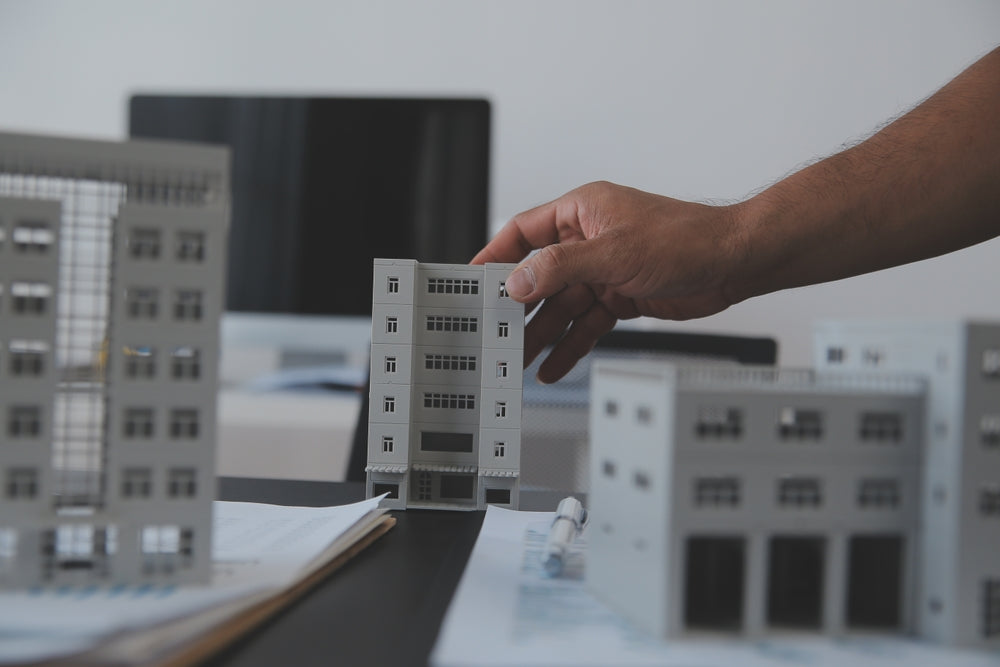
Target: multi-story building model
[754, 500]
[959, 593]
[111, 287]
[863, 496]
[445, 401]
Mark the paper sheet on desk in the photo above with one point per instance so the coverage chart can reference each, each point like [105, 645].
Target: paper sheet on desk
[257, 548]
[506, 613]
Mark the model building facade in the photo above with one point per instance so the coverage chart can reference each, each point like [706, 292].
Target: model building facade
[111, 286]
[750, 501]
[445, 404]
[959, 594]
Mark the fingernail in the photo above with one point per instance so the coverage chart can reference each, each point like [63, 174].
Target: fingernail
[521, 283]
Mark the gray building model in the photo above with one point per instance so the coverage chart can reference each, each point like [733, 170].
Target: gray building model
[861, 497]
[444, 428]
[112, 260]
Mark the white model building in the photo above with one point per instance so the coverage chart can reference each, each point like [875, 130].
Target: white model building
[959, 595]
[444, 427]
[754, 500]
[111, 287]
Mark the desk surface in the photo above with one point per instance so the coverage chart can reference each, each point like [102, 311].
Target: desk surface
[385, 606]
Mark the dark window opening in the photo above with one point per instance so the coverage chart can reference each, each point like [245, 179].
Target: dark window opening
[391, 489]
[875, 581]
[431, 441]
[713, 596]
[457, 487]
[498, 496]
[795, 582]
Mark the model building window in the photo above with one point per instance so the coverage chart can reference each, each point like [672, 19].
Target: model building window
[717, 492]
[452, 286]
[609, 468]
[391, 325]
[878, 493]
[144, 243]
[716, 422]
[190, 246]
[644, 414]
[501, 369]
[799, 424]
[610, 408]
[185, 363]
[991, 608]
[991, 363]
[24, 421]
[142, 303]
[503, 330]
[22, 483]
[32, 237]
[989, 430]
[187, 305]
[881, 427]
[989, 501]
[140, 362]
[389, 404]
[160, 540]
[138, 423]
[450, 401]
[392, 285]
[835, 355]
[502, 291]
[75, 544]
[800, 492]
[716, 583]
[424, 488]
[27, 357]
[184, 423]
[390, 364]
[457, 324]
[449, 362]
[137, 483]
[30, 298]
[181, 483]
[387, 444]
[501, 409]
[872, 356]
[641, 480]
[499, 449]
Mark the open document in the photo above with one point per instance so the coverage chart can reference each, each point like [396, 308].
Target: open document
[506, 612]
[263, 556]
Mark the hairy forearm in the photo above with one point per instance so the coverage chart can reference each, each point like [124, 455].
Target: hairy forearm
[924, 185]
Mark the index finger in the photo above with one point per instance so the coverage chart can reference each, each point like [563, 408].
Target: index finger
[535, 228]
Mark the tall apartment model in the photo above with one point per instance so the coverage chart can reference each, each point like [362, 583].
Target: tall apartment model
[959, 599]
[754, 500]
[111, 287]
[444, 426]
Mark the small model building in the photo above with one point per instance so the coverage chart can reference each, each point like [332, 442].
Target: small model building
[959, 598]
[444, 427]
[751, 500]
[111, 285]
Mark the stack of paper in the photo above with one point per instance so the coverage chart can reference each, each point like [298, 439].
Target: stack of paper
[264, 557]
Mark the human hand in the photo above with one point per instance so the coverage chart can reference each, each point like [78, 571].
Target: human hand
[609, 252]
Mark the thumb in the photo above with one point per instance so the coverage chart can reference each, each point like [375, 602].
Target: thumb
[556, 267]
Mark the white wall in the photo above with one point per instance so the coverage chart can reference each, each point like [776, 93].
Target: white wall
[694, 99]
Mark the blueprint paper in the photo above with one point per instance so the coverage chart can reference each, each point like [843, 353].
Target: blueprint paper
[505, 612]
[257, 549]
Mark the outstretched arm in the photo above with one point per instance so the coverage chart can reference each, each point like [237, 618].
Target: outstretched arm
[924, 185]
